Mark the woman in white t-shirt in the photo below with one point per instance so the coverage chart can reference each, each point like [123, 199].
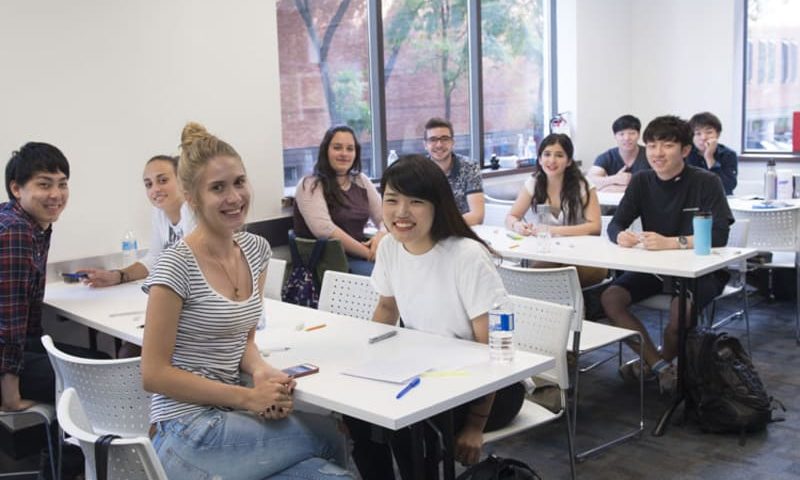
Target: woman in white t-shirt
[171, 220]
[435, 273]
[559, 183]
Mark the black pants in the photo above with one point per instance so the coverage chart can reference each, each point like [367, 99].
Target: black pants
[37, 381]
[373, 456]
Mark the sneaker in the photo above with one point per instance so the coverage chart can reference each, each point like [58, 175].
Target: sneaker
[630, 371]
[668, 380]
[548, 396]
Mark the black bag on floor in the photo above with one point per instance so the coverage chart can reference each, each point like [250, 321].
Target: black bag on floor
[724, 389]
[496, 468]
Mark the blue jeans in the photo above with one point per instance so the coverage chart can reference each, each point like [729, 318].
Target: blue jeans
[359, 266]
[216, 444]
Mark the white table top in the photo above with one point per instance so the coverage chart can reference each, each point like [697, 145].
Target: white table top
[597, 251]
[609, 199]
[749, 204]
[340, 345]
[117, 311]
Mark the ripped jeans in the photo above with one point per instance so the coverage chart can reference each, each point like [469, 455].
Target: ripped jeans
[231, 445]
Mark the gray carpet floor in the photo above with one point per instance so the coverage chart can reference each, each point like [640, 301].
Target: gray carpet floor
[608, 405]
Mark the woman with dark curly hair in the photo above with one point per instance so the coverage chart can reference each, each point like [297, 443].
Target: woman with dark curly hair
[559, 183]
[337, 200]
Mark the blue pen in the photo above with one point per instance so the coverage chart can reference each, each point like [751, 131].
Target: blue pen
[408, 388]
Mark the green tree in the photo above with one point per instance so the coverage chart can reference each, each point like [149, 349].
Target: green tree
[321, 41]
[350, 106]
[437, 31]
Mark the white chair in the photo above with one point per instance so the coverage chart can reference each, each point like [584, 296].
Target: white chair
[274, 281]
[494, 214]
[561, 286]
[111, 389]
[778, 231]
[128, 458]
[46, 414]
[541, 327]
[348, 294]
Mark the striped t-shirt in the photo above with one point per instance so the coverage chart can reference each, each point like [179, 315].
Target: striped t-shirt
[212, 329]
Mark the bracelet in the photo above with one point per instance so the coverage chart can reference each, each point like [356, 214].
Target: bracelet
[123, 277]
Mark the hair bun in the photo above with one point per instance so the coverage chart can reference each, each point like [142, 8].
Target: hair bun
[193, 132]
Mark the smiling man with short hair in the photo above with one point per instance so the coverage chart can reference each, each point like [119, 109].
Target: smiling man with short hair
[463, 175]
[36, 183]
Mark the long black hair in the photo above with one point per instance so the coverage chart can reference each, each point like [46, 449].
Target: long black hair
[571, 201]
[418, 177]
[324, 174]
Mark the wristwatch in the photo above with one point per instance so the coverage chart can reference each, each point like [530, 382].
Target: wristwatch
[683, 242]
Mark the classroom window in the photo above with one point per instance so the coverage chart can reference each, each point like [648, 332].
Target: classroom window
[327, 58]
[773, 31]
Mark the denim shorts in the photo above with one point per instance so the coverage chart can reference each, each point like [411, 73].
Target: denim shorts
[218, 444]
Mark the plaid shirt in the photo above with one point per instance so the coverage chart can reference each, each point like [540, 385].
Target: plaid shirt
[23, 264]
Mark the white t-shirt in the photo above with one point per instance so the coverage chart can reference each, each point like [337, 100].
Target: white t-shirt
[442, 290]
[164, 234]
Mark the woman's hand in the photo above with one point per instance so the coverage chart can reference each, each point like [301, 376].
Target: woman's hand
[469, 442]
[101, 278]
[272, 398]
[524, 228]
[373, 243]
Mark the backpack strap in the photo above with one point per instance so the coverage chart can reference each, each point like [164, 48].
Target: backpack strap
[316, 253]
[297, 260]
[520, 465]
[101, 455]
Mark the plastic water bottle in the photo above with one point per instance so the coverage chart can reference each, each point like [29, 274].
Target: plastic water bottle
[770, 181]
[520, 146]
[530, 148]
[501, 334]
[392, 157]
[543, 228]
[129, 248]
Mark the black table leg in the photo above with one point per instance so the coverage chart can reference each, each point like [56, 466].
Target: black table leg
[449, 447]
[417, 449]
[680, 395]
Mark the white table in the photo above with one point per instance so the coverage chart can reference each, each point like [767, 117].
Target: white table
[598, 251]
[609, 199]
[340, 345]
[117, 311]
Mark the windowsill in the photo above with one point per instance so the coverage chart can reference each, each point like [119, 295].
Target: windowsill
[502, 172]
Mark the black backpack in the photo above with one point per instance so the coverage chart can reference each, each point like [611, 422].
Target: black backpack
[496, 468]
[301, 286]
[724, 389]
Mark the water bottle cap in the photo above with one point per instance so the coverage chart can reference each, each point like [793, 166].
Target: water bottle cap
[771, 162]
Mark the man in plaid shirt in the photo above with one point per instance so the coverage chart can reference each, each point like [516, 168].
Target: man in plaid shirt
[36, 182]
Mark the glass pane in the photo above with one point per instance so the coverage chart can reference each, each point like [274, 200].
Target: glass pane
[323, 58]
[513, 76]
[773, 93]
[426, 70]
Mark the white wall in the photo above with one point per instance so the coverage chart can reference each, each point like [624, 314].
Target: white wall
[648, 58]
[113, 82]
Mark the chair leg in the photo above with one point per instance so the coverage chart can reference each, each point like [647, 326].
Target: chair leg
[51, 451]
[570, 445]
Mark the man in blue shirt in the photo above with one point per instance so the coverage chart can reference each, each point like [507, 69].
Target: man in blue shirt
[613, 168]
[707, 153]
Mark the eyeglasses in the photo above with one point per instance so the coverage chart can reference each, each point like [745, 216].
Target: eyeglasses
[435, 140]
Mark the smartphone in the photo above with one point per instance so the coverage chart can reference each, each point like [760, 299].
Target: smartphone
[301, 370]
[74, 277]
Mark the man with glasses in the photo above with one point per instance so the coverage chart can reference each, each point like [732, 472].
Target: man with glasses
[464, 175]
